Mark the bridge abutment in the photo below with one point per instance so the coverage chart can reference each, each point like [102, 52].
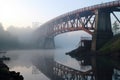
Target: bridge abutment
[46, 43]
[49, 43]
[103, 32]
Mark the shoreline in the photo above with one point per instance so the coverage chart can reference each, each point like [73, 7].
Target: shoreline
[5, 74]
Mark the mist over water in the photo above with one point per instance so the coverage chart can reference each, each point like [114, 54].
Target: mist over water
[37, 64]
[22, 44]
[21, 61]
[25, 61]
[31, 63]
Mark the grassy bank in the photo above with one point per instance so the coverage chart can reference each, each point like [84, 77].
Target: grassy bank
[113, 46]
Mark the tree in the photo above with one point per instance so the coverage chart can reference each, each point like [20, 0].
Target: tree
[115, 27]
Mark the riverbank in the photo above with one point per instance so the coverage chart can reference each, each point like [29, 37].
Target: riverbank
[5, 74]
[110, 49]
[112, 46]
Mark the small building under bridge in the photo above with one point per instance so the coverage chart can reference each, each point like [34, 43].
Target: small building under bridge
[85, 42]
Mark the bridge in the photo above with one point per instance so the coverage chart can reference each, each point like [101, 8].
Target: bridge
[94, 20]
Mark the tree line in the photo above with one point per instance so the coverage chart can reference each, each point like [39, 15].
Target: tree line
[7, 41]
[16, 37]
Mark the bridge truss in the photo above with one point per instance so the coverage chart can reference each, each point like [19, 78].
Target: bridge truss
[80, 19]
[93, 20]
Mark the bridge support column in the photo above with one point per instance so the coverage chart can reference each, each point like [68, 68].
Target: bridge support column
[40, 43]
[103, 31]
[49, 43]
[45, 43]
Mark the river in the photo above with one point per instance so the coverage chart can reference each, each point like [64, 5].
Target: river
[41, 64]
[21, 61]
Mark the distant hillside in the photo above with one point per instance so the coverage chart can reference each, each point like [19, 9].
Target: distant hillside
[112, 46]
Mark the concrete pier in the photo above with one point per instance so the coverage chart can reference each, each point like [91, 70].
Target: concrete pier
[46, 43]
[49, 43]
[103, 32]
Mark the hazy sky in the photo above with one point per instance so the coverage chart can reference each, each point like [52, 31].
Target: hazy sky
[23, 12]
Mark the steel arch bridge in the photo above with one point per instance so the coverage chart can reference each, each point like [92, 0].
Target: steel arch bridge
[94, 20]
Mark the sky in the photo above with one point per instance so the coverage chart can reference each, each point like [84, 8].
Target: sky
[21, 13]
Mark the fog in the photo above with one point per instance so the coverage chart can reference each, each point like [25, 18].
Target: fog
[16, 37]
[25, 61]
[22, 37]
[7, 40]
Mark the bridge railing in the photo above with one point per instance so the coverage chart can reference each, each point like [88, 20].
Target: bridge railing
[98, 6]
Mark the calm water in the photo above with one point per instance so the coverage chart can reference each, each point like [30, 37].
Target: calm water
[46, 64]
[22, 61]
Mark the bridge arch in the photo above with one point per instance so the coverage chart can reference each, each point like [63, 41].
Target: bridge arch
[94, 20]
[70, 40]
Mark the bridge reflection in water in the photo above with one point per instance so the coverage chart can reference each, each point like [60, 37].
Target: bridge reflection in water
[102, 68]
[68, 73]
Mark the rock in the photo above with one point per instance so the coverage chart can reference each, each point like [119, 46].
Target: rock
[5, 74]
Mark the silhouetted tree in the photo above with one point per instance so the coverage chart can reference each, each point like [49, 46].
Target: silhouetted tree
[115, 27]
